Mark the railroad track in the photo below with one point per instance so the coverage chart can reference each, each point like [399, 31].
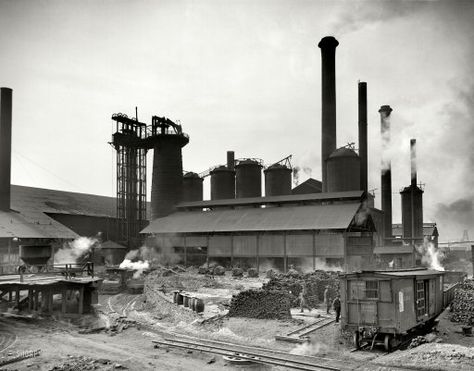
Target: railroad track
[300, 335]
[252, 354]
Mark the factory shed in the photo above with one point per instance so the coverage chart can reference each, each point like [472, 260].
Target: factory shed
[308, 186]
[327, 232]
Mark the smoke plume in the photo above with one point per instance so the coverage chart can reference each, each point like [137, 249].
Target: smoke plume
[310, 349]
[430, 256]
[73, 251]
[296, 178]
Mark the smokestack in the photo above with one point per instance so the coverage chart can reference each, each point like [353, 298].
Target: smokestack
[328, 46]
[230, 160]
[363, 135]
[5, 147]
[386, 178]
[413, 161]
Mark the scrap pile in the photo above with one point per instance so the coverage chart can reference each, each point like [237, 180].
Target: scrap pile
[315, 283]
[262, 304]
[462, 306]
[75, 363]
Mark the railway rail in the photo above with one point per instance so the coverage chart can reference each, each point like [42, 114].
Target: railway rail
[253, 354]
[301, 335]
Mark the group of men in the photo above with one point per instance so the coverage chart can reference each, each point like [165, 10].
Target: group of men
[336, 303]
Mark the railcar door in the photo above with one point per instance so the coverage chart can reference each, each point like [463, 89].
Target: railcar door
[422, 299]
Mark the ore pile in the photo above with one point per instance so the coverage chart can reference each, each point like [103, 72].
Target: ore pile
[75, 363]
[315, 282]
[417, 342]
[462, 307]
[262, 304]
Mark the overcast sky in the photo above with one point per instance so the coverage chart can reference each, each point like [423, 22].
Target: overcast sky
[243, 76]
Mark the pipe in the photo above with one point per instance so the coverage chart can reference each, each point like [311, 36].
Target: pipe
[230, 160]
[5, 147]
[413, 162]
[328, 46]
[363, 135]
[386, 178]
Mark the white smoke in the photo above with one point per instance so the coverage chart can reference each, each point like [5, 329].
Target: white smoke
[390, 264]
[310, 349]
[430, 256]
[72, 251]
[322, 265]
[137, 266]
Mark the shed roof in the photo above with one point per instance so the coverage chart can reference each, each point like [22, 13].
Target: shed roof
[311, 217]
[288, 199]
[410, 272]
[308, 186]
[32, 224]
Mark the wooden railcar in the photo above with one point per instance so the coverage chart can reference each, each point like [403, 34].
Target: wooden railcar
[385, 306]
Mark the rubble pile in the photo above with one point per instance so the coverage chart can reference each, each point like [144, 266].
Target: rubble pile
[462, 307]
[417, 342]
[315, 283]
[75, 363]
[261, 304]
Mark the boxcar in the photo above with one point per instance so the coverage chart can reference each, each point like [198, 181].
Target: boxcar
[385, 306]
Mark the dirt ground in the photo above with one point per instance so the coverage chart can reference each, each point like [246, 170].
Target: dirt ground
[64, 347]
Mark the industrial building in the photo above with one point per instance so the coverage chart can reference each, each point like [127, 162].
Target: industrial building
[331, 222]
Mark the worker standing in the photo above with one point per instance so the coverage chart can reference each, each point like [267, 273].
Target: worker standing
[327, 300]
[302, 299]
[337, 307]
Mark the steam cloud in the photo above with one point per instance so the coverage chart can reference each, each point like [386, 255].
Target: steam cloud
[430, 256]
[73, 251]
[310, 349]
[296, 177]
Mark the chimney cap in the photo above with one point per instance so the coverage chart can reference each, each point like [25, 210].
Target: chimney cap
[385, 108]
[328, 42]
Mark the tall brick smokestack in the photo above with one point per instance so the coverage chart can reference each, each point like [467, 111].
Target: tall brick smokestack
[328, 46]
[363, 135]
[386, 178]
[5, 147]
[413, 161]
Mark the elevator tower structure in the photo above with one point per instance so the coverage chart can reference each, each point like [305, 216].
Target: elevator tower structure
[131, 178]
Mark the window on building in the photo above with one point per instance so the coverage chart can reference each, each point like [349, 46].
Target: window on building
[371, 289]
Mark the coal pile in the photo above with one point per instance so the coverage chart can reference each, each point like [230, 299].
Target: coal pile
[261, 304]
[462, 307]
[75, 363]
[315, 282]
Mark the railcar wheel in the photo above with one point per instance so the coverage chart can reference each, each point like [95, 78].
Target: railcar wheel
[356, 339]
[387, 342]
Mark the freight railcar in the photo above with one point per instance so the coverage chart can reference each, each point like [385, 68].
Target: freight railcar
[385, 306]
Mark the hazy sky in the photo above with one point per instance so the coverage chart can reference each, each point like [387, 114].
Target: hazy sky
[243, 76]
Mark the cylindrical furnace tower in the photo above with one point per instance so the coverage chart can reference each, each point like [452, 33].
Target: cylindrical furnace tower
[248, 178]
[343, 171]
[192, 187]
[277, 180]
[167, 139]
[5, 147]
[222, 183]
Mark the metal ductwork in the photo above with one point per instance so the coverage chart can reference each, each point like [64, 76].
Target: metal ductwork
[328, 46]
[386, 178]
[363, 135]
[5, 147]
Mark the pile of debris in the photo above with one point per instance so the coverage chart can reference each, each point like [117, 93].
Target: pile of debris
[417, 342]
[462, 307]
[118, 325]
[75, 363]
[315, 282]
[261, 304]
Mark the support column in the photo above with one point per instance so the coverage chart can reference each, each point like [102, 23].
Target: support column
[314, 250]
[35, 306]
[285, 263]
[64, 300]
[30, 299]
[258, 252]
[81, 300]
[17, 298]
[186, 252]
[232, 250]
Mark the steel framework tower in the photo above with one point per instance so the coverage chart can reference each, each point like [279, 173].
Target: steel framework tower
[131, 178]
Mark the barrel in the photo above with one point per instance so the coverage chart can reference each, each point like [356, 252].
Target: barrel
[185, 301]
[179, 300]
[192, 303]
[199, 305]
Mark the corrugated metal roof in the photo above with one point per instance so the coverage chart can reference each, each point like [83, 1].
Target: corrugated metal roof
[311, 217]
[429, 229]
[410, 272]
[351, 195]
[32, 225]
[401, 249]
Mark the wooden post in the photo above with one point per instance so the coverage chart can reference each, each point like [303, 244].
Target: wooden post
[81, 300]
[50, 301]
[63, 300]
[185, 252]
[258, 252]
[232, 250]
[10, 295]
[35, 307]
[30, 299]
[314, 250]
[285, 268]
[17, 298]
